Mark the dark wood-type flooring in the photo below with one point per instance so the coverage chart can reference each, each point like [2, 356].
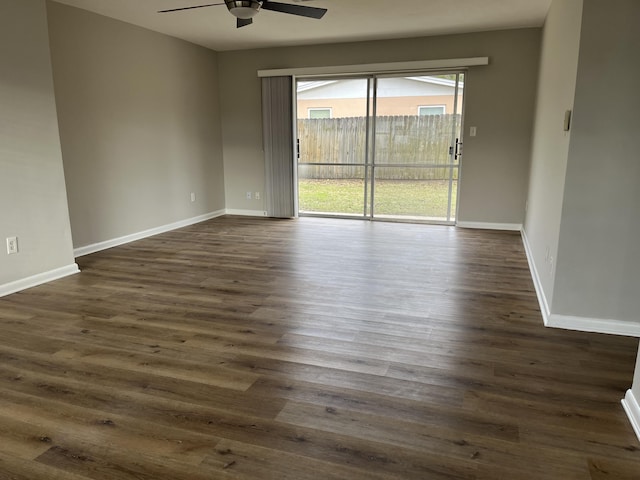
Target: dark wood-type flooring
[305, 349]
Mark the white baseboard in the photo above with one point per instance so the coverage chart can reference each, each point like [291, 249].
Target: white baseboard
[570, 322]
[595, 325]
[246, 213]
[39, 279]
[542, 299]
[511, 227]
[97, 247]
[630, 405]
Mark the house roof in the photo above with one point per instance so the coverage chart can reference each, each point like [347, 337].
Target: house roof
[346, 20]
[307, 86]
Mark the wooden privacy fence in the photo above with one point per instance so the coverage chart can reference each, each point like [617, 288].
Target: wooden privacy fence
[400, 140]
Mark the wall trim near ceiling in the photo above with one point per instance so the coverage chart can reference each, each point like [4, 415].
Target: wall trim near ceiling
[631, 407]
[97, 247]
[511, 227]
[371, 68]
[571, 322]
[39, 279]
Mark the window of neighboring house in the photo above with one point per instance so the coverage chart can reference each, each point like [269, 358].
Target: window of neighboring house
[319, 112]
[431, 110]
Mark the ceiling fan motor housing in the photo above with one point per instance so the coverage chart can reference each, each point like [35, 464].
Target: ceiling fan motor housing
[243, 9]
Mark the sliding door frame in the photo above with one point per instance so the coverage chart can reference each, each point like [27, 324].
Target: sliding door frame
[369, 164]
[367, 155]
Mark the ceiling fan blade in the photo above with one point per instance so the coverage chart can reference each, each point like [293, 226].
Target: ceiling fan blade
[301, 10]
[243, 22]
[190, 8]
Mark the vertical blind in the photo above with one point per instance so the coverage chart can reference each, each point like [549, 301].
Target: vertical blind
[277, 124]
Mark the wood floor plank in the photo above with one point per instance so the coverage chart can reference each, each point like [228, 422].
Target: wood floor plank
[59, 422]
[449, 443]
[18, 364]
[583, 415]
[156, 364]
[15, 468]
[209, 370]
[245, 461]
[422, 412]
[20, 439]
[275, 354]
[255, 348]
[99, 404]
[602, 468]
[103, 462]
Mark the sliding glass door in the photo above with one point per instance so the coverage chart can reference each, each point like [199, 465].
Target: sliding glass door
[417, 147]
[332, 128]
[380, 147]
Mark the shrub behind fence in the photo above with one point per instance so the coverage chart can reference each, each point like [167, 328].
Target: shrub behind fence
[400, 140]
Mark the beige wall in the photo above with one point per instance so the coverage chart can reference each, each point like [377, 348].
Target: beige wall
[598, 266]
[556, 91]
[357, 107]
[500, 103]
[139, 125]
[32, 186]
[584, 193]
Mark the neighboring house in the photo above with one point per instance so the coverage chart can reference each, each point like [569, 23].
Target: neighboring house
[423, 95]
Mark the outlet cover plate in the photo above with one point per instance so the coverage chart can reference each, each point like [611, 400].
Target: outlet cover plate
[12, 245]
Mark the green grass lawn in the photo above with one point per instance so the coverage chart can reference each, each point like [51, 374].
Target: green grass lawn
[413, 198]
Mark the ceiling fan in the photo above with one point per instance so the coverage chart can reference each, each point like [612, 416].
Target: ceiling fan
[245, 10]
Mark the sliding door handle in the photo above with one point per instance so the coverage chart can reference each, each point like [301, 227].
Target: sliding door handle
[458, 152]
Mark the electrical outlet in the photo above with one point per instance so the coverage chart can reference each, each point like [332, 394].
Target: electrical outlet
[249, 195]
[257, 196]
[193, 196]
[12, 245]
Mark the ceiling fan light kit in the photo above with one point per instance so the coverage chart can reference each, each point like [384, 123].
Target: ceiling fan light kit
[245, 10]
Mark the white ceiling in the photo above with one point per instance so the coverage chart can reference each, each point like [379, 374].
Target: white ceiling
[347, 20]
